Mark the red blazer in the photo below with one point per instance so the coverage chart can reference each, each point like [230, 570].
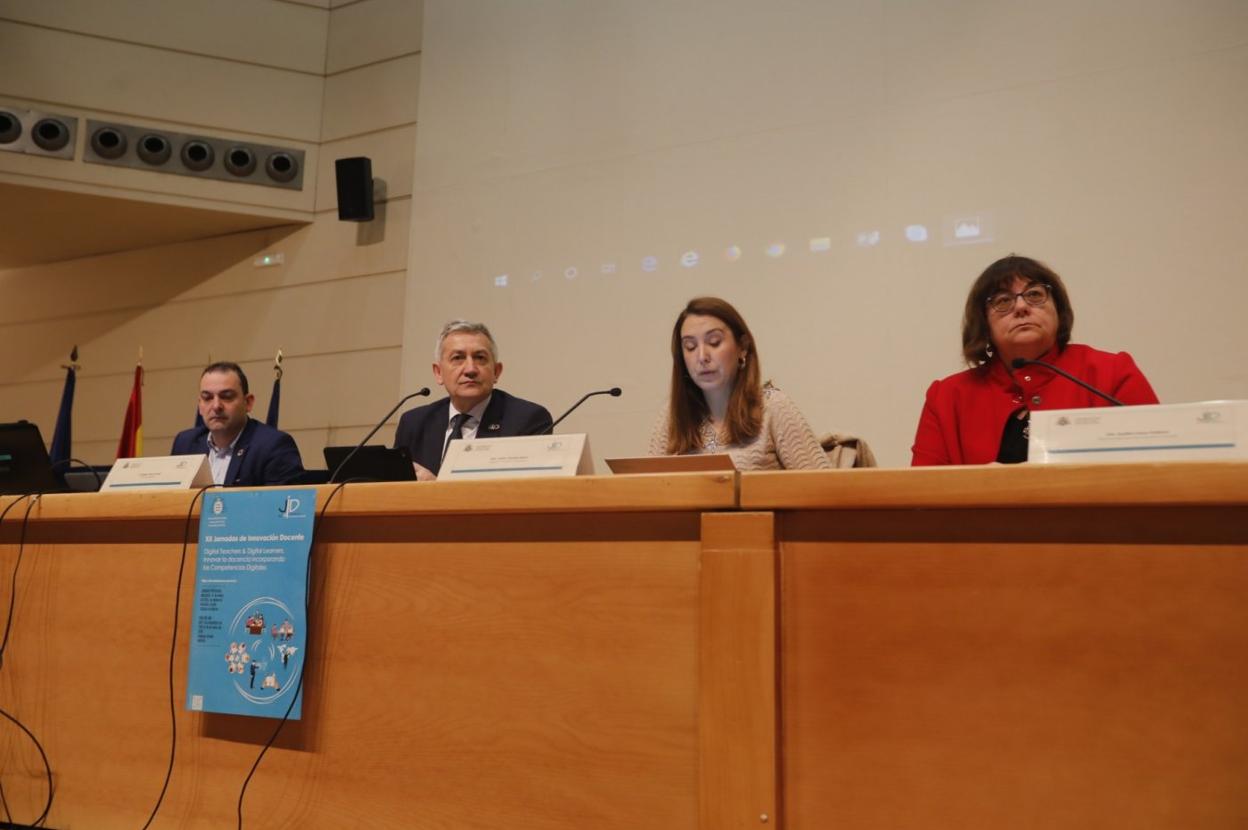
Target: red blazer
[965, 414]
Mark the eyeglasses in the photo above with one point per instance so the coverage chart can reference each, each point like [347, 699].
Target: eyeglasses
[1034, 295]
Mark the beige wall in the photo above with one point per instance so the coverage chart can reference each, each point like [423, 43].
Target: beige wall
[558, 135]
[333, 78]
[562, 144]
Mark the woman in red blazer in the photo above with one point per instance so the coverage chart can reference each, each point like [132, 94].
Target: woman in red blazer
[1018, 308]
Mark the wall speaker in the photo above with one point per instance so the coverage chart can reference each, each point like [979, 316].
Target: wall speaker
[240, 161]
[108, 142]
[10, 126]
[37, 133]
[51, 134]
[143, 148]
[154, 149]
[355, 188]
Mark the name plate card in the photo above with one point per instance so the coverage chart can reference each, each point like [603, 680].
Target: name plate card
[161, 472]
[526, 456]
[1204, 431]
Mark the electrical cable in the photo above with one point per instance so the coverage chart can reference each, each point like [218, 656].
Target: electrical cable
[307, 601]
[8, 626]
[173, 648]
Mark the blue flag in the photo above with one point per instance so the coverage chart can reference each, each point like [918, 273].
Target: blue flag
[61, 436]
[274, 402]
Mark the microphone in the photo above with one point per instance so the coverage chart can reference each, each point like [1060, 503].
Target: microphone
[421, 393]
[1020, 362]
[614, 392]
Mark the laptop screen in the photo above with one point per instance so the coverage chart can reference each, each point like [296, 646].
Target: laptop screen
[24, 463]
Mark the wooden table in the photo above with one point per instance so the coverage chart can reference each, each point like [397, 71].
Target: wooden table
[969, 648]
[993, 647]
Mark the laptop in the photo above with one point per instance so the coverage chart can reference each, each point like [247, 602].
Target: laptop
[702, 463]
[371, 463]
[24, 463]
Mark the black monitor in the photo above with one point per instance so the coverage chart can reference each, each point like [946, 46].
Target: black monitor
[24, 463]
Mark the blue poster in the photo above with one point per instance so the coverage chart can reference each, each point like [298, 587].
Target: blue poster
[249, 630]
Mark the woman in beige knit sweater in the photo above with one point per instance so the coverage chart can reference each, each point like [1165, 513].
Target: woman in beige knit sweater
[718, 401]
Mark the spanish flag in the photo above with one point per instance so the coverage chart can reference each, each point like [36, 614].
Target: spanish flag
[131, 444]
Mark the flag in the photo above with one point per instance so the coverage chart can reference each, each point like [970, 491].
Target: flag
[62, 441]
[274, 402]
[131, 444]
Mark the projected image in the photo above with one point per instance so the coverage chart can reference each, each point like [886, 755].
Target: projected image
[969, 229]
[958, 229]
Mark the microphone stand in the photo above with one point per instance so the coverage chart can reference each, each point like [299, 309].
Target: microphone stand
[1020, 362]
[350, 455]
[614, 392]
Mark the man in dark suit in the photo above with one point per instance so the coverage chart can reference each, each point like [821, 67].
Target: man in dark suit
[241, 452]
[466, 363]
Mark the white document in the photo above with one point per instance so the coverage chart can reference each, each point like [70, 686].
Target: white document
[161, 472]
[525, 456]
[1203, 431]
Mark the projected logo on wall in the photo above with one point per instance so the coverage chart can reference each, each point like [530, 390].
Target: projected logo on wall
[969, 228]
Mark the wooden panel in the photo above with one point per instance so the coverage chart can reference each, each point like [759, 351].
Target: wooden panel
[364, 33]
[80, 72]
[483, 656]
[326, 249]
[371, 98]
[1033, 485]
[318, 317]
[516, 680]
[1012, 674]
[364, 383]
[737, 659]
[269, 32]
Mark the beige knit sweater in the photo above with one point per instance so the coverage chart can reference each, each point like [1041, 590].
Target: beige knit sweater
[785, 442]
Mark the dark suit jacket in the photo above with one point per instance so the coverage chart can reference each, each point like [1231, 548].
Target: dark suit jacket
[423, 429]
[263, 455]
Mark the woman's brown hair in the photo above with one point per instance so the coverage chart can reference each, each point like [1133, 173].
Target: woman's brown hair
[744, 418]
[999, 276]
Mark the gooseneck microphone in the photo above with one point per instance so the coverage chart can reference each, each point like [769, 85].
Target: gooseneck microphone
[614, 392]
[418, 394]
[1020, 362]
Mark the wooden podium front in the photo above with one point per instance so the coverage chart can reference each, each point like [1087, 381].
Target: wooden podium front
[483, 655]
[996, 647]
[956, 648]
